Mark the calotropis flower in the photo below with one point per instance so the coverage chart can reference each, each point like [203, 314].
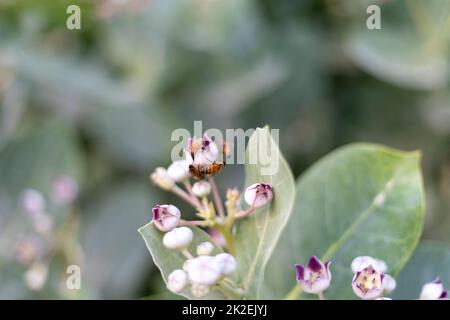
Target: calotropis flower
[166, 217]
[202, 151]
[258, 195]
[315, 277]
[369, 282]
[434, 291]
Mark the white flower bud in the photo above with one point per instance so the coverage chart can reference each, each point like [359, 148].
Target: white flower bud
[258, 195]
[204, 270]
[161, 178]
[433, 291]
[166, 217]
[205, 248]
[32, 201]
[64, 190]
[36, 276]
[201, 188]
[199, 290]
[177, 281]
[178, 238]
[179, 170]
[227, 262]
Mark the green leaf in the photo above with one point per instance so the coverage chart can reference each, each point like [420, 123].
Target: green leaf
[115, 266]
[169, 260]
[430, 260]
[361, 199]
[257, 235]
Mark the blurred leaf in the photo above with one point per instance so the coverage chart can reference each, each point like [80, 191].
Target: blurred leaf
[37, 157]
[398, 58]
[361, 199]
[430, 260]
[134, 137]
[169, 260]
[116, 262]
[68, 86]
[257, 235]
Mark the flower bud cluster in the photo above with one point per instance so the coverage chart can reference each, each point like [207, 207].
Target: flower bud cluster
[35, 250]
[201, 272]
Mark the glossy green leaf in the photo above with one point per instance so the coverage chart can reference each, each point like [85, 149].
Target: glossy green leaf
[430, 260]
[361, 199]
[257, 235]
[169, 260]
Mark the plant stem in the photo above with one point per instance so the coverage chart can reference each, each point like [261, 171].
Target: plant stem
[294, 293]
[187, 254]
[228, 236]
[243, 214]
[217, 199]
[229, 291]
[186, 197]
[321, 296]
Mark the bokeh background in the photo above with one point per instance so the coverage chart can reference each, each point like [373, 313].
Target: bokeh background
[97, 106]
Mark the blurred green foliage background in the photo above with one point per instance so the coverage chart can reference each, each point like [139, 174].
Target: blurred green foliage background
[100, 103]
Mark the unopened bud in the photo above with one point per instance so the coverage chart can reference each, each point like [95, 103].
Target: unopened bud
[177, 281]
[258, 195]
[205, 248]
[201, 188]
[178, 238]
[161, 178]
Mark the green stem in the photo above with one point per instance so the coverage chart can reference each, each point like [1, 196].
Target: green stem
[228, 235]
[294, 293]
[229, 291]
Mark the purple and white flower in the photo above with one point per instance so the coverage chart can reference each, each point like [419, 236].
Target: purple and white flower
[258, 195]
[203, 151]
[434, 291]
[370, 281]
[315, 277]
[166, 217]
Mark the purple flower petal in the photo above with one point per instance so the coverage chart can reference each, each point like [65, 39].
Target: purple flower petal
[315, 264]
[444, 295]
[155, 213]
[300, 270]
